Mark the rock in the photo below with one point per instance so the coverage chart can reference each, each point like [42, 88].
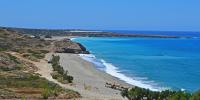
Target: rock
[68, 46]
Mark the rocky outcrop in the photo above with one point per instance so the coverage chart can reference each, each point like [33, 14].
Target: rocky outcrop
[67, 46]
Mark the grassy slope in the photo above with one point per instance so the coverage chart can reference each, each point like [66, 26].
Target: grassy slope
[17, 77]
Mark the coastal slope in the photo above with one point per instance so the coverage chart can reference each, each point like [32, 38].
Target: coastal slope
[22, 66]
[24, 60]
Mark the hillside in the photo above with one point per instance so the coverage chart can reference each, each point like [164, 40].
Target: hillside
[21, 60]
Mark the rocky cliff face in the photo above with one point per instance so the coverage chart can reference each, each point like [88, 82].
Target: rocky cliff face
[67, 46]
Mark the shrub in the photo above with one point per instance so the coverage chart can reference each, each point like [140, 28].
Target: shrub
[67, 77]
[196, 96]
[36, 53]
[124, 93]
[46, 93]
[55, 75]
[29, 56]
[180, 95]
[13, 58]
[44, 51]
[137, 93]
[55, 59]
[60, 74]
[3, 49]
[60, 70]
[48, 36]
[39, 56]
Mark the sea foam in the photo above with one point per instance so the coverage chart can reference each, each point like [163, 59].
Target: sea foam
[114, 71]
[72, 39]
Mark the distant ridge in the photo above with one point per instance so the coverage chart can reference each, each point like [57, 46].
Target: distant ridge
[80, 32]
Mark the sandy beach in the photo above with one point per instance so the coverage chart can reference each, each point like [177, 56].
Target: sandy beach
[89, 81]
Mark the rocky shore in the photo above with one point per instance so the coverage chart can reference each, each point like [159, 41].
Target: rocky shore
[68, 46]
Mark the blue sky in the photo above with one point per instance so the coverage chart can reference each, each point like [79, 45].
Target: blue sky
[165, 15]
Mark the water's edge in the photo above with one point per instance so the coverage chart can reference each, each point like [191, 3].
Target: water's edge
[112, 70]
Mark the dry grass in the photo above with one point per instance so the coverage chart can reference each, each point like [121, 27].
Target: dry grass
[28, 90]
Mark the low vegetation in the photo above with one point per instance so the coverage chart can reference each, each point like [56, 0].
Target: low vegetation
[13, 40]
[137, 93]
[31, 48]
[17, 81]
[17, 76]
[35, 55]
[20, 84]
[59, 73]
[9, 62]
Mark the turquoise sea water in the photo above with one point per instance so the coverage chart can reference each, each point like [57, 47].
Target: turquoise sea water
[152, 63]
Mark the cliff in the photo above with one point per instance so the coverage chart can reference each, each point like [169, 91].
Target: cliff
[67, 46]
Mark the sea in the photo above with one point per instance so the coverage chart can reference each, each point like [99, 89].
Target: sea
[152, 63]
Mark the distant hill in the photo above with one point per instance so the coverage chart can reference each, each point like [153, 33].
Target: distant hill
[79, 32]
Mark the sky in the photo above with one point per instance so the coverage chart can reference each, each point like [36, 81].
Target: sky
[162, 15]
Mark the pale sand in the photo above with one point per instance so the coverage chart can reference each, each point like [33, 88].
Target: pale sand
[60, 37]
[89, 81]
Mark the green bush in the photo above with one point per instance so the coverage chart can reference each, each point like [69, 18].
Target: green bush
[60, 70]
[30, 57]
[195, 96]
[46, 93]
[124, 93]
[180, 95]
[3, 49]
[39, 54]
[55, 75]
[44, 51]
[61, 75]
[20, 79]
[67, 77]
[138, 93]
[13, 58]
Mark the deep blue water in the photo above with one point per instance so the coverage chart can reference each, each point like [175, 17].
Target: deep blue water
[153, 63]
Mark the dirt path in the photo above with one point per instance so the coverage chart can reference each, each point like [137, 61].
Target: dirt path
[45, 70]
[43, 67]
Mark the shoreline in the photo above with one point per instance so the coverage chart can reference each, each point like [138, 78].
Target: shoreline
[88, 80]
[110, 69]
[158, 88]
